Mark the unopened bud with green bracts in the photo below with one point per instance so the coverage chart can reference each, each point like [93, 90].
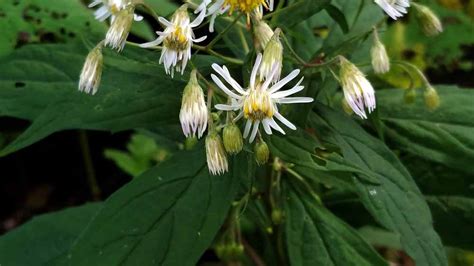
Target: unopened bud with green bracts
[272, 58]
[380, 60]
[429, 22]
[431, 98]
[233, 140]
[262, 153]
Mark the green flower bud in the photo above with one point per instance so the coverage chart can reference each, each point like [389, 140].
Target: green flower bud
[262, 153]
[92, 71]
[409, 96]
[277, 216]
[430, 23]
[233, 141]
[431, 98]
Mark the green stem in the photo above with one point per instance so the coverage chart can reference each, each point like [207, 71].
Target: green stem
[416, 69]
[306, 185]
[149, 10]
[245, 45]
[214, 53]
[222, 33]
[89, 165]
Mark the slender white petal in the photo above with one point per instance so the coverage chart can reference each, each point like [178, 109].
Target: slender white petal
[224, 88]
[253, 76]
[295, 100]
[254, 131]
[248, 125]
[284, 121]
[284, 81]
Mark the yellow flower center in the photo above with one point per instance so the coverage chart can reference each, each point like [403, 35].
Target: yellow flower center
[245, 6]
[258, 105]
[177, 40]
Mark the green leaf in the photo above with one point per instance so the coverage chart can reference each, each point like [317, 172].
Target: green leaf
[33, 21]
[46, 237]
[39, 83]
[299, 11]
[454, 219]
[396, 203]
[167, 216]
[316, 237]
[444, 135]
[338, 16]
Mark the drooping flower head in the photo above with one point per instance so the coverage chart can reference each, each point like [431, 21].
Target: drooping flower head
[262, 32]
[380, 60]
[258, 104]
[92, 71]
[430, 23]
[177, 38]
[215, 154]
[358, 92]
[117, 34]
[110, 8]
[193, 114]
[394, 8]
[272, 58]
[219, 7]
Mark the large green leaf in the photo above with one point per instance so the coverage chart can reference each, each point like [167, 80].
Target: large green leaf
[167, 216]
[46, 237]
[35, 21]
[39, 83]
[445, 135]
[317, 237]
[396, 203]
[454, 219]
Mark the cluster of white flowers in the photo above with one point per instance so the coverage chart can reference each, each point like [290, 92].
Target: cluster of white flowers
[259, 102]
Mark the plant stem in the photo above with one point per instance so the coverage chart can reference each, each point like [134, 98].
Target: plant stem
[89, 166]
[306, 185]
[416, 69]
[221, 34]
[214, 53]
[149, 10]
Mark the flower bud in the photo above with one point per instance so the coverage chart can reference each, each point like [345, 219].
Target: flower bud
[91, 73]
[117, 34]
[431, 98]
[430, 23]
[380, 60]
[277, 216]
[262, 33]
[233, 141]
[193, 114]
[409, 96]
[272, 58]
[215, 153]
[262, 153]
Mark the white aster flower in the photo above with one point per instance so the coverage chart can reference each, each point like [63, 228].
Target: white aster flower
[358, 92]
[110, 8]
[215, 154]
[219, 7]
[259, 102]
[177, 38]
[91, 71]
[380, 60]
[394, 8]
[117, 34]
[193, 114]
[272, 58]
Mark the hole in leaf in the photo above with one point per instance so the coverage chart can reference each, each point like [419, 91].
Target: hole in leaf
[19, 84]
